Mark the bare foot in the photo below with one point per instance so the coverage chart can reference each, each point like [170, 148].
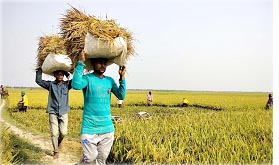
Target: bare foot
[56, 155]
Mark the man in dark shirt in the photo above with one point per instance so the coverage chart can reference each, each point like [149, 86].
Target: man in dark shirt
[58, 106]
[269, 103]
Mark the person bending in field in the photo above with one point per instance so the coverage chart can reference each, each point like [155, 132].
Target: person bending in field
[57, 107]
[185, 102]
[269, 103]
[97, 130]
[120, 103]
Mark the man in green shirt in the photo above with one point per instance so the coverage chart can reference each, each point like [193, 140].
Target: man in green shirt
[97, 130]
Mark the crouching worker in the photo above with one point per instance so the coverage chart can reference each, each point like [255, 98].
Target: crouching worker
[23, 104]
[120, 103]
[185, 102]
[97, 130]
[57, 107]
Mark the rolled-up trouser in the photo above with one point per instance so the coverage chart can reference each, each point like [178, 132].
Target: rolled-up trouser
[58, 129]
[96, 147]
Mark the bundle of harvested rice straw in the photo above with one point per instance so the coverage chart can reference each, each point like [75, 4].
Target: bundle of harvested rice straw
[53, 44]
[75, 25]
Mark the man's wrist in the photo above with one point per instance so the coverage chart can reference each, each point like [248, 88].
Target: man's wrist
[121, 78]
[81, 63]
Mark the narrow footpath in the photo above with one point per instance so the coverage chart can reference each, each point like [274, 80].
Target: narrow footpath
[41, 142]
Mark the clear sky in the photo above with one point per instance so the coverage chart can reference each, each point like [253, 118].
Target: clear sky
[204, 45]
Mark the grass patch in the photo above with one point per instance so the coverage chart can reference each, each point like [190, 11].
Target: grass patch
[16, 150]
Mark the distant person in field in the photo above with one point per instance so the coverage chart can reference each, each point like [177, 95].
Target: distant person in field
[185, 102]
[149, 98]
[58, 106]
[119, 103]
[24, 102]
[97, 130]
[269, 103]
[1, 91]
[4, 92]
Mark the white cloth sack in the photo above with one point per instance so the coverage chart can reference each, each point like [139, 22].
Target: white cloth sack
[121, 59]
[98, 48]
[55, 62]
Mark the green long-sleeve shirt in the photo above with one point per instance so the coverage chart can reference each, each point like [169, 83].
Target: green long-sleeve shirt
[97, 94]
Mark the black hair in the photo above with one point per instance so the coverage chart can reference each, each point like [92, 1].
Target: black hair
[64, 72]
[98, 59]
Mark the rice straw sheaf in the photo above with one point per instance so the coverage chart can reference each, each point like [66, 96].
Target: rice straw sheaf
[75, 25]
[49, 44]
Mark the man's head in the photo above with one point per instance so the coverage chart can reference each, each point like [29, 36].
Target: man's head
[270, 95]
[99, 65]
[59, 74]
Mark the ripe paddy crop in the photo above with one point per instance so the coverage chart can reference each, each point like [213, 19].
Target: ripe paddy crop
[241, 132]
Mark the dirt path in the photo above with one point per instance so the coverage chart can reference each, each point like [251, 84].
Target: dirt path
[39, 141]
